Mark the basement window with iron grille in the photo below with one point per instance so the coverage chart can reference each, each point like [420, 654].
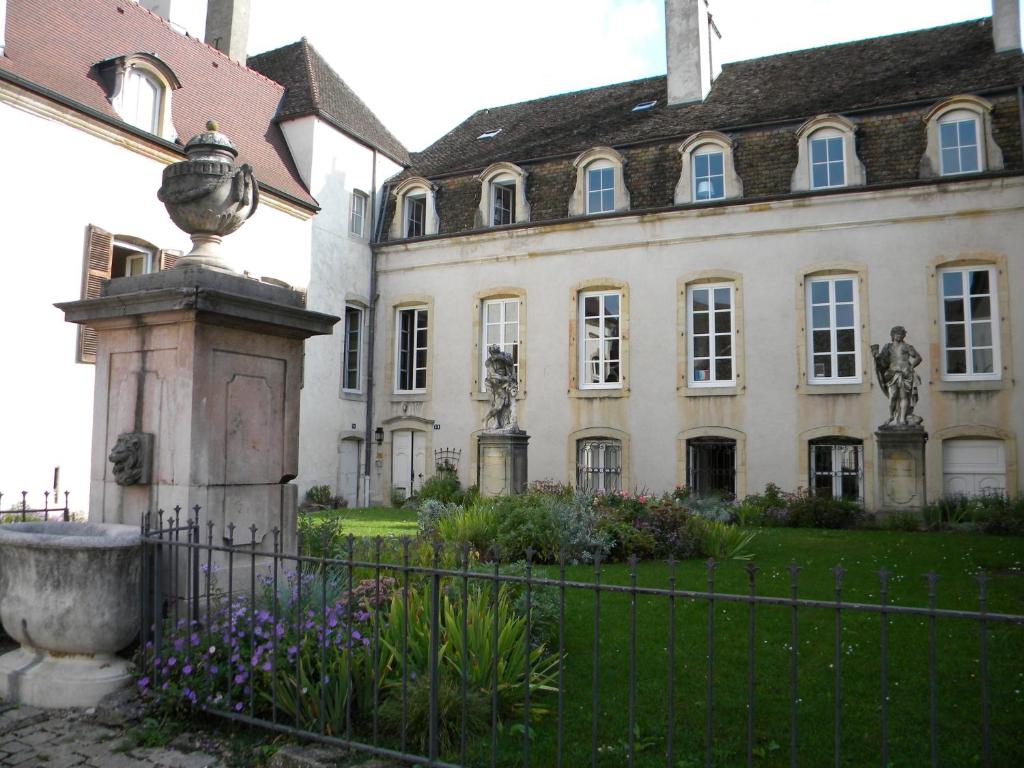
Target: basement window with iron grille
[599, 465]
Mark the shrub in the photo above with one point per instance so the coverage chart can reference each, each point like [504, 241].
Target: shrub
[1008, 518]
[902, 521]
[766, 508]
[721, 540]
[529, 521]
[430, 511]
[711, 508]
[580, 527]
[476, 526]
[807, 510]
[320, 494]
[442, 487]
[625, 540]
[319, 535]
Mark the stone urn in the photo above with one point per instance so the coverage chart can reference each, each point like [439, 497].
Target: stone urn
[69, 594]
[207, 196]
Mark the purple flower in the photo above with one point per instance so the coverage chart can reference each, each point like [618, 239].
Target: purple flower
[143, 682]
[187, 669]
[238, 707]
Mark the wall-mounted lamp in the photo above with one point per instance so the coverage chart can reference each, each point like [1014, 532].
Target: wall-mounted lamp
[378, 434]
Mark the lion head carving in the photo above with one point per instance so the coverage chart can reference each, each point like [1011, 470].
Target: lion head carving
[129, 458]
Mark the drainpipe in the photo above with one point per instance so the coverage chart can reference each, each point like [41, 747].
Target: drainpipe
[1020, 114]
[371, 326]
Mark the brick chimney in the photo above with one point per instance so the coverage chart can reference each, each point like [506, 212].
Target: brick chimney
[227, 27]
[1006, 25]
[688, 49]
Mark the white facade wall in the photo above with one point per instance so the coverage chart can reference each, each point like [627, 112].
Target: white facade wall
[891, 238]
[59, 177]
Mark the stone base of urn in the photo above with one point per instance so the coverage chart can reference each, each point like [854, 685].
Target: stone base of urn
[35, 678]
[901, 469]
[501, 465]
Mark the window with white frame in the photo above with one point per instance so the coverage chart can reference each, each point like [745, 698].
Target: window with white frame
[600, 188]
[140, 101]
[503, 201]
[827, 162]
[411, 350]
[499, 325]
[357, 219]
[599, 340]
[352, 357]
[833, 352]
[708, 175]
[131, 259]
[710, 329]
[599, 465]
[958, 143]
[970, 323]
[415, 215]
[837, 468]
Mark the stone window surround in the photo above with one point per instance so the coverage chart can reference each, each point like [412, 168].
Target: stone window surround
[578, 200]
[113, 71]
[703, 140]
[990, 156]
[599, 284]
[934, 453]
[803, 442]
[998, 262]
[362, 304]
[414, 185]
[592, 433]
[409, 302]
[740, 477]
[853, 169]
[708, 276]
[804, 385]
[495, 173]
[502, 292]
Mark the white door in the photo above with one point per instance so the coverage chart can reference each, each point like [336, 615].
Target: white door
[408, 459]
[348, 472]
[973, 467]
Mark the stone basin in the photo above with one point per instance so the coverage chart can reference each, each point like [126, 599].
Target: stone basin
[69, 594]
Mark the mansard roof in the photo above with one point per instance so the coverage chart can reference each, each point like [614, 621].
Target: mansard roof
[849, 77]
[313, 88]
[52, 47]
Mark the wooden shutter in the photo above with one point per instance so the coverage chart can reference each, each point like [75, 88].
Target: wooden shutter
[167, 258]
[99, 251]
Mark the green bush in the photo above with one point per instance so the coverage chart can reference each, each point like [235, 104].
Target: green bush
[529, 521]
[1008, 518]
[624, 540]
[807, 510]
[442, 487]
[476, 526]
[320, 494]
[762, 508]
[902, 521]
[722, 541]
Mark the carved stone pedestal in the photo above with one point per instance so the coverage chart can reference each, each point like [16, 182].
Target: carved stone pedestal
[901, 469]
[209, 363]
[501, 465]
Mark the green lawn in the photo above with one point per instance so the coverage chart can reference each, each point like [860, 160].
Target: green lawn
[372, 521]
[956, 558]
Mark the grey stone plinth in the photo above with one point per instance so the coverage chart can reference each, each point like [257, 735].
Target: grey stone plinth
[901, 469]
[501, 465]
[210, 364]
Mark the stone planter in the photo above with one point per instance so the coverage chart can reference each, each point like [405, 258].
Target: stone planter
[69, 594]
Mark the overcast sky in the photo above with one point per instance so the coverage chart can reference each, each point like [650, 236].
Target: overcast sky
[423, 66]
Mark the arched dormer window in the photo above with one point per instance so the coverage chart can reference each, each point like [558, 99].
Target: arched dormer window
[139, 88]
[959, 138]
[502, 196]
[708, 172]
[827, 155]
[600, 186]
[415, 210]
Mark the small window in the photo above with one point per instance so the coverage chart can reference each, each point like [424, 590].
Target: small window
[827, 167]
[358, 215]
[499, 326]
[503, 201]
[600, 189]
[711, 466]
[411, 350]
[711, 333]
[351, 363]
[709, 176]
[643, 106]
[837, 468]
[130, 260]
[958, 144]
[970, 323]
[141, 100]
[833, 323]
[489, 134]
[599, 465]
[415, 215]
[599, 340]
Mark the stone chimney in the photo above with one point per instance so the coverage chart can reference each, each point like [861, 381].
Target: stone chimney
[688, 50]
[1006, 25]
[227, 27]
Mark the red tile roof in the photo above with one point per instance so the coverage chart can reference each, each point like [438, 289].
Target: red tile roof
[56, 43]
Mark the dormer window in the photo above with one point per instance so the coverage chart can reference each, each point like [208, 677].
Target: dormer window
[707, 170]
[415, 212]
[643, 106]
[708, 178]
[960, 139]
[502, 196]
[827, 155]
[600, 187]
[139, 88]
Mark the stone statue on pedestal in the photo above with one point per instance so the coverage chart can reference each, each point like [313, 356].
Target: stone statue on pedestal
[895, 364]
[503, 385]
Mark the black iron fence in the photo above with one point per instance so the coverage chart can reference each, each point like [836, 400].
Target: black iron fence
[22, 512]
[433, 655]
